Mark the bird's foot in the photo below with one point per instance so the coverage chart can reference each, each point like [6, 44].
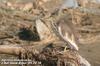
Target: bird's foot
[65, 48]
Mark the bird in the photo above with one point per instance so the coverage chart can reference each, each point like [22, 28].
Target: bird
[65, 30]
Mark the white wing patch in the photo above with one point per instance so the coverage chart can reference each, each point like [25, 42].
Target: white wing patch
[71, 41]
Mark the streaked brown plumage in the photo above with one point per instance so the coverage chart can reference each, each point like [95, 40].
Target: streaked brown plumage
[64, 29]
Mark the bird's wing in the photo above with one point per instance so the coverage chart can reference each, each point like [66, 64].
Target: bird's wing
[70, 40]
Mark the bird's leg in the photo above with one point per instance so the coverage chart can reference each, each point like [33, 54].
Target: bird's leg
[69, 47]
[65, 48]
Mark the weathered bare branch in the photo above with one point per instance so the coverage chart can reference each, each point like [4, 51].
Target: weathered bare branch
[16, 49]
[10, 49]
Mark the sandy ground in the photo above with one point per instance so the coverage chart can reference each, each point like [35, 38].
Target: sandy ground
[91, 52]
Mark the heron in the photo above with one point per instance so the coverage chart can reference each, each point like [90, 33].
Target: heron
[64, 29]
[66, 32]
